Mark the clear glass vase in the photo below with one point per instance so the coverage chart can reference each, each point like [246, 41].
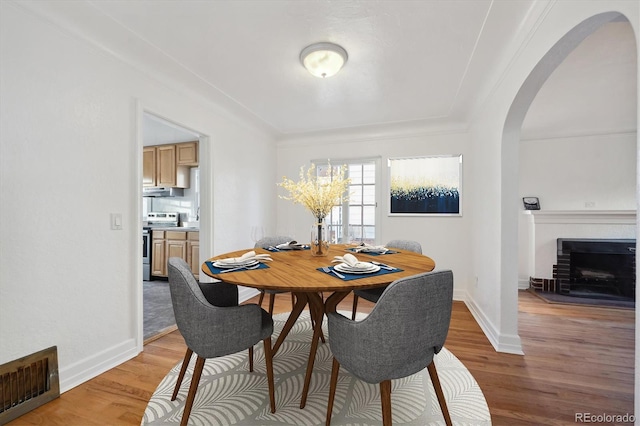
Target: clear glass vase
[319, 239]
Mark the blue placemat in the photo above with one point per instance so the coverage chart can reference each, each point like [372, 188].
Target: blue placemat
[353, 250]
[274, 249]
[349, 277]
[215, 270]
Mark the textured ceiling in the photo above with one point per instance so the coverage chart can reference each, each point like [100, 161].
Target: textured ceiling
[423, 62]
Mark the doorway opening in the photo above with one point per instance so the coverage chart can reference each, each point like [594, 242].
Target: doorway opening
[513, 135]
[170, 214]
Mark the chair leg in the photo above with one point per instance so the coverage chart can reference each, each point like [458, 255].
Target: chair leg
[355, 307]
[268, 357]
[261, 298]
[183, 369]
[385, 397]
[272, 297]
[335, 369]
[251, 359]
[436, 385]
[195, 380]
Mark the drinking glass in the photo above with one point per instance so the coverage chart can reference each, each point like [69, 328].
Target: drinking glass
[257, 233]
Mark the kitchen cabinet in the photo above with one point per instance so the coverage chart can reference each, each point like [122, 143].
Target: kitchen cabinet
[149, 166]
[182, 244]
[193, 253]
[160, 167]
[187, 154]
[158, 257]
[176, 244]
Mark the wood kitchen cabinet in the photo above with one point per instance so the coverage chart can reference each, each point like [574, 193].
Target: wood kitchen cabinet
[160, 167]
[149, 166]
[158, 256]
[187, 154]
[193, 253]
[176, 244]
[182, 244]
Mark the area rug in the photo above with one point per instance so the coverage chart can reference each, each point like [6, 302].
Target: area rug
[229, 394]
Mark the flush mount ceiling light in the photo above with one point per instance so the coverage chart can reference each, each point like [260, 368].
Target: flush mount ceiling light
[323, 59]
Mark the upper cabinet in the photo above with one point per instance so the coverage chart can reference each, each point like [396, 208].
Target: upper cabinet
[149, 166]
[168, 165]
[187, 154]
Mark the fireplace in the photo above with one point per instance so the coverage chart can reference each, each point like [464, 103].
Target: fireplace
[596, 268]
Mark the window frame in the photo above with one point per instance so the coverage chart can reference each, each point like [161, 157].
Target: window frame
[378, 192]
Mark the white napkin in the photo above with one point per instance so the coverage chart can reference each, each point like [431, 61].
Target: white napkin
[247, 257]
[366, 248]
[351, 261]
[290, 245]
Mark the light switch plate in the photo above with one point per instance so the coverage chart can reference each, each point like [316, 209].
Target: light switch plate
[116, 221]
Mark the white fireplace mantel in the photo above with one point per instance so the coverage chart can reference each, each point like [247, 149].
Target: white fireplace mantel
[623, 217]
[540, 230]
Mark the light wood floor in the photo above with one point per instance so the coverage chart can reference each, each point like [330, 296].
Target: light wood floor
[577, 360]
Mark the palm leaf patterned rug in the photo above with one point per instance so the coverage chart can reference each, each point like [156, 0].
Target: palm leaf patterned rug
[229, 394]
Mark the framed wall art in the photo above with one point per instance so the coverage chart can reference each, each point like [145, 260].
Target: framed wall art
[425, 186]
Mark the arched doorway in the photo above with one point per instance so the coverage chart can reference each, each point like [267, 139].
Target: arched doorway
[510, 147]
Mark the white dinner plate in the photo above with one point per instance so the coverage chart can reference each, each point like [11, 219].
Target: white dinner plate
[222, 265]
[343, 267]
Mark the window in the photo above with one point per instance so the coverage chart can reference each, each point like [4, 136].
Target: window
[355, 219]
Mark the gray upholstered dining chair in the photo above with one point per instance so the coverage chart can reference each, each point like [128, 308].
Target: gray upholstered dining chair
[373, 294]
[400, 337]
[219, 294]
[265, 243]
[212, 331]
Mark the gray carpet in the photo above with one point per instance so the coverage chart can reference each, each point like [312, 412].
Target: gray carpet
[158, 311]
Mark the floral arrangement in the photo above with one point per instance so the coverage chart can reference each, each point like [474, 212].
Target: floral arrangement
[316, 194]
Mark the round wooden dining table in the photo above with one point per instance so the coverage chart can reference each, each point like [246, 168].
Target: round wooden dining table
[297, 271]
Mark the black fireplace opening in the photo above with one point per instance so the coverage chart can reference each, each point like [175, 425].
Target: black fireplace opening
[596, 268]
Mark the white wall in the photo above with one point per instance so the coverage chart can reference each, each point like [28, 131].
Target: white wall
[444, 239]
[596, 172]
[70, 154]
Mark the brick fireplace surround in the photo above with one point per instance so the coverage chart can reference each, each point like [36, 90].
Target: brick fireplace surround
[592, 268]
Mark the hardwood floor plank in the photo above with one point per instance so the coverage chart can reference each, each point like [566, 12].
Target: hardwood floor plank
[577, 359]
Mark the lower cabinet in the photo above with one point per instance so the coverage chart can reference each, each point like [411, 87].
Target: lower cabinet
[182, 244]
[158, 254]
[193, 253]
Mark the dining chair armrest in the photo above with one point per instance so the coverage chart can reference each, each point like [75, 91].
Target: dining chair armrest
[210, 336]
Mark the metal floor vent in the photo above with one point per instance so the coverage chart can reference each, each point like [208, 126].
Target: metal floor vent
[27, 383]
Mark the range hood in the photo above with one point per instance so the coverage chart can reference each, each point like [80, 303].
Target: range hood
[162, 192]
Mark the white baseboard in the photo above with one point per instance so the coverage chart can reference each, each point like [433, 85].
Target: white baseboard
[523, 283]
[88, 368]
[501, 342]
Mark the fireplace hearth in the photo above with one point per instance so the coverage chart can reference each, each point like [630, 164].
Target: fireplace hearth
[596, 268]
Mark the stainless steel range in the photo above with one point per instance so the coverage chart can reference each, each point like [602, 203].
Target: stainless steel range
[163, 219]
[154, 220]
